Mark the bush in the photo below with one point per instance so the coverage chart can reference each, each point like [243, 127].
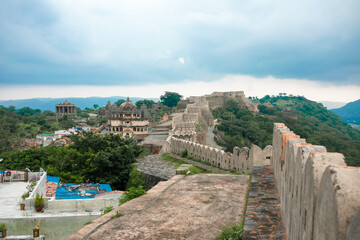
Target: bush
[234, 232]
[132, 193]
[3, 227]
[184, 153]
[39, 200]
[136, 179]
[107, 210]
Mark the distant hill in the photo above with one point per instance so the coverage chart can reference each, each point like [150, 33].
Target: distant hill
[49, 103]
[332, 105]
[350, 112]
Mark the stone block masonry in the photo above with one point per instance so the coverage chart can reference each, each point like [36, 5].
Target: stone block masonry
[319, 194]
[241, 160]
[263, 215]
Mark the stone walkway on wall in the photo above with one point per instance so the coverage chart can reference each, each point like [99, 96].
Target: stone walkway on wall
[186, 207]
[263, 216]
[201, 165]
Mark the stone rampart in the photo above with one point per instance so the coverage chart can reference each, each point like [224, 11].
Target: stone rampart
[241, 160]
[184, 125]
[319, 194]
[219, 99]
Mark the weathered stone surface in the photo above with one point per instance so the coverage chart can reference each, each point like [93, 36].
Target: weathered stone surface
[337, 203]
[314, 169]
[185, 207]
[354, 230]
[319, 195]
[182, 167]
[154, 165]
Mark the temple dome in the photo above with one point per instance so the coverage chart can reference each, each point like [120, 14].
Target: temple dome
[127, 106]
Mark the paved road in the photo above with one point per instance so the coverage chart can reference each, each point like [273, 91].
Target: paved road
[210, 138]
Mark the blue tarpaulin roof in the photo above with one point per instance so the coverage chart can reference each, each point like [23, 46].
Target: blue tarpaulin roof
[76, 191]
[53, 179]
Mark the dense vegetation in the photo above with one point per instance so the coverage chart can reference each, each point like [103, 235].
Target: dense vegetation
[17, 124]
[148, 103]
[309, 119]
[170, 99]
[92, 158]
[132, 193]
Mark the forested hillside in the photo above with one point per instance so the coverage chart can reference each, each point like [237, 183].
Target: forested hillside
[17, 124]
[240, 127]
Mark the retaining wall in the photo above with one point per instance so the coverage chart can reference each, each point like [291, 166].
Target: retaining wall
[40, 188]
[52, 227]
[74, 205]
[319, 194]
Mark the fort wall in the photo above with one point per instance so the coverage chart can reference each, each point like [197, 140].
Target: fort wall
[183, 137]
[241, 160]
[319, 194]
[184, 125]
[219, 99]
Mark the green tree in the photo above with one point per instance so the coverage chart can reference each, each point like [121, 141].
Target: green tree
[48, 113]
[119, 102]
[92, 158]
[148, 103]
[29, 111]
[170, 99]
[66, 122]
[132, 193]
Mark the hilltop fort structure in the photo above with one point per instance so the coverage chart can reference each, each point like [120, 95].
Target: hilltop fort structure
[65, 108]
[219, 99]
[127, 120]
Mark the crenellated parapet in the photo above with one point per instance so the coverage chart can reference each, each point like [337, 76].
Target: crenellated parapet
[184, 125]
[241, 160]
[319, 194]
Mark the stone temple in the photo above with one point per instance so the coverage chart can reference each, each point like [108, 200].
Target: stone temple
[65, 108]
[127, 120]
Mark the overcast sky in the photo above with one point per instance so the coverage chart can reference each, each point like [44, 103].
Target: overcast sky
[52, 48]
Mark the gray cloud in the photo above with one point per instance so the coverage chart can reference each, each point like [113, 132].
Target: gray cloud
[120, 42]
